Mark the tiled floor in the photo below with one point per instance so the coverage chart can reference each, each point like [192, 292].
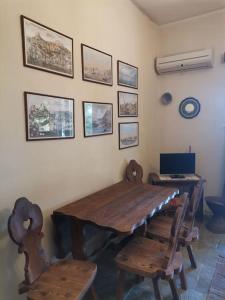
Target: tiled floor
[206, 251]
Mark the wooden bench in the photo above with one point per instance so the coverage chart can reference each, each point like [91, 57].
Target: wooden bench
[69, 280]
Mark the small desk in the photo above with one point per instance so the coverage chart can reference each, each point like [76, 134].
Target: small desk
[121, 208]
[186, 184]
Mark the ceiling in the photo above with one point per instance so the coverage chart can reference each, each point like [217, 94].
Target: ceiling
[167, 11]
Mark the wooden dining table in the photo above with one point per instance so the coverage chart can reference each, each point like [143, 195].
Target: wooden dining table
[121, 208]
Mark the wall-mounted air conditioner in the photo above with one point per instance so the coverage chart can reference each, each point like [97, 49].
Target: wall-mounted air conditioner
[185, 61]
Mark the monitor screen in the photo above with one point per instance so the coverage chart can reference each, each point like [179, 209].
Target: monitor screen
[177, 163]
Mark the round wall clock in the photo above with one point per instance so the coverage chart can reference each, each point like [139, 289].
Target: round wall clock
[189, 108]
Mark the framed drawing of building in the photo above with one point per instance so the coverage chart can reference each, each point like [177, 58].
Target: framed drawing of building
[48, 117]
[128, 135]
[98, 118]
[46, 49]
[96, 65]
[127, 104]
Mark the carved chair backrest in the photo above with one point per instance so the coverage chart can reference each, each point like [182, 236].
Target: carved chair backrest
[28, 238]
[194, 202]
[177, 223]
[134, 172]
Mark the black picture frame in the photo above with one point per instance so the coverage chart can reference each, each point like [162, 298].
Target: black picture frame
[90, 78]
[36, 53]
[93, 123]
[126, 109]
[129, 138]
[122, 76]
[33, 132]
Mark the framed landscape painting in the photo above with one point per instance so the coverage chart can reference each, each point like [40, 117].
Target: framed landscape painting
[127, 75]
[127, 104]
[96, 65]
[128, 135]
[98, 118]
[48, 117]
[46, 49]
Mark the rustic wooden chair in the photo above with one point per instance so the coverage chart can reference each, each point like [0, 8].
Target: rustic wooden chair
[69, 280]
[158, 227]
[150, 258]
[134, 172]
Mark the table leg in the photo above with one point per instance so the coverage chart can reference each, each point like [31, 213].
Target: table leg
[77, 233]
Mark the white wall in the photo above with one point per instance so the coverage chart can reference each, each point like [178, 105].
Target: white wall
[205, 133]
[52, 173]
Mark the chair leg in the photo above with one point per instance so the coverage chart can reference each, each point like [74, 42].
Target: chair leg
[191, 256]
[94, 295]
[120, 285]
[155, 282]
[173, 289]
[183, 279]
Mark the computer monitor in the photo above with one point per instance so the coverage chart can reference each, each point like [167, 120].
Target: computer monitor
[177, 163]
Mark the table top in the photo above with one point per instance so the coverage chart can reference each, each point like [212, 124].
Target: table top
[123, 206]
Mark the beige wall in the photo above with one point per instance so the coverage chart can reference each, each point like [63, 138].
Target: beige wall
[52, 173]
[206, 133]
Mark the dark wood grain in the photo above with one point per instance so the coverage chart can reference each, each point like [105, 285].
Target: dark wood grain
[122, 207]
[158, 228]
[64, 280]
[134, 172]
[150, 258]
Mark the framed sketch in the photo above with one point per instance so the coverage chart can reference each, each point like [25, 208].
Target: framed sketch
[48, 117]
[96, 65]
[128, 135]
[46, 49]
[98, 118]
[127, 75]
[127, 104]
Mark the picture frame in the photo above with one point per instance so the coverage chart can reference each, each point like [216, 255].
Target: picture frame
[46, 49]
[127, 75]
[96, 65]
[48, 117]
[98, 118]
[128, 135]
[127, 104]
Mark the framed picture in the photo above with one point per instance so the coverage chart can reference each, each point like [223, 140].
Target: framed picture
[48, 117]
[98, 118]
[127, 75]
[127, 104]
[96, 65]
[128, 135]
[46, 49]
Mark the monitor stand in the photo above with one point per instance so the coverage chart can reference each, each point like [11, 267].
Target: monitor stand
[177, 176]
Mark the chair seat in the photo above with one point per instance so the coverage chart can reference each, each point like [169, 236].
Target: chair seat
[146, 258]
[68, 280]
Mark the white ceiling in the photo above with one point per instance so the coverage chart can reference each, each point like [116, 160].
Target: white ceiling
[167, 11]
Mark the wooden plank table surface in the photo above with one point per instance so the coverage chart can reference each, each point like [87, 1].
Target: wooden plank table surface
[122, 208]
